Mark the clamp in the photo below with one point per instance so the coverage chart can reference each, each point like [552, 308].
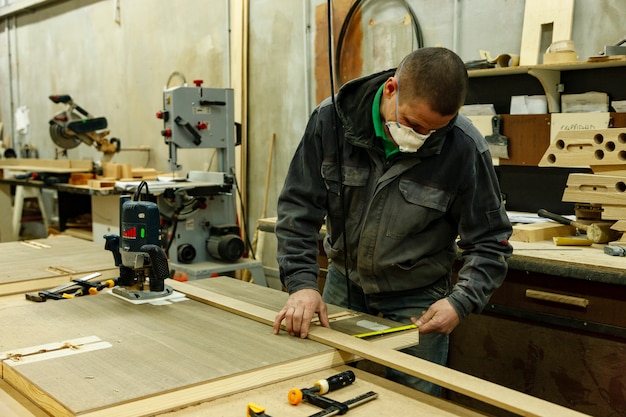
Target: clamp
[315, 395]
[255, 410]
[70, 290]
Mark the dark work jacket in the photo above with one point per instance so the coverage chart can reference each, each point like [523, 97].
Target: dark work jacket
[402, 217]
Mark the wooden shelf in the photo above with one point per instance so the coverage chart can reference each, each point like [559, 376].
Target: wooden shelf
[549, 77]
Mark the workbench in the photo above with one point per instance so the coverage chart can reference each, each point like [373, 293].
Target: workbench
[551, 348]
[101, 203]
[567, 346]
[211, 350]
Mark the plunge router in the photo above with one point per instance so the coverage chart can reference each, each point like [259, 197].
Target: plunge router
[137, 251]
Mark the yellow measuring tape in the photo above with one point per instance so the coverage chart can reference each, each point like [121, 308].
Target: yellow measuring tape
[385, 331]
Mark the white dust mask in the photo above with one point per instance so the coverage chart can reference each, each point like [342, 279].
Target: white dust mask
[407, 139]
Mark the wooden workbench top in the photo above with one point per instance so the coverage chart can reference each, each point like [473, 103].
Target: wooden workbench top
[582, 262]
[45, 263]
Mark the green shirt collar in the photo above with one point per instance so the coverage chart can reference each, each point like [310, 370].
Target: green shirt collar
[379, 129]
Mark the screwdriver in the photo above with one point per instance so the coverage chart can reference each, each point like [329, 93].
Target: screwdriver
[321, 387]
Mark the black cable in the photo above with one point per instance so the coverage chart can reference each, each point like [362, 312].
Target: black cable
[346, 25]
[339, 154]
[244, 226]
[137, 193]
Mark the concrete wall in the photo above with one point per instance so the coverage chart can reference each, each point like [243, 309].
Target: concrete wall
[119, 70]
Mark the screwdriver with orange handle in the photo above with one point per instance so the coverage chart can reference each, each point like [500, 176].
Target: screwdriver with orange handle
[330, 407]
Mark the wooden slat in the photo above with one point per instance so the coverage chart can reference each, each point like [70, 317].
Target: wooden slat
[393, 399]
[473, 387]
[58, 166]
[342, 320]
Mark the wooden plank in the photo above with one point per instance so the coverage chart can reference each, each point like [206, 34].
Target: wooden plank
[345, 321]
[473, 387]
[46, 263]
[58, 166]
[393, 399]
[536, 232]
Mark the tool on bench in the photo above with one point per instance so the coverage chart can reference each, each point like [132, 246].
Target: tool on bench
[498, 143]
[137, 252]
[62, 291]
[255, 410]
[330, 407]
[615, 250]
[94, 288]
[596, 232]
[385, 331]
[75, 125]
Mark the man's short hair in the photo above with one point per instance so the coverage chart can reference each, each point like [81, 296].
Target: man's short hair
[436, 75]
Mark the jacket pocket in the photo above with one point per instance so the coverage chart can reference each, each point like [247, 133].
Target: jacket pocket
[354, 181]
[418, 206]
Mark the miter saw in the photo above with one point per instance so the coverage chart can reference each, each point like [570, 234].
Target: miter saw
[75, 125]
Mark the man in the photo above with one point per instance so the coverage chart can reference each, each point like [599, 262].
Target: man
[416, 175]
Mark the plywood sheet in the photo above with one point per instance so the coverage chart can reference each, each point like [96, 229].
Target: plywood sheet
[46, 263]
[154, 350]
[537, 13]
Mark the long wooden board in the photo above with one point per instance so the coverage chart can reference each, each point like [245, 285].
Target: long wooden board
[57, 166]
[473, 387]
[393, 399]
[161, 357]
[45, 263]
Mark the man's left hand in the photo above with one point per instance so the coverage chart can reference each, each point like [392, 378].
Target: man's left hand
[440, 317]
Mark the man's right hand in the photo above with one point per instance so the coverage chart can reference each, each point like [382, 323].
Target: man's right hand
[299, 310]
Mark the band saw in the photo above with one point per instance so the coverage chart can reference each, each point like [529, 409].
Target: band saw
[202, 213]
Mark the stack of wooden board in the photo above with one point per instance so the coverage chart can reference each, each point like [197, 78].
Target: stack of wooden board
[604, 151]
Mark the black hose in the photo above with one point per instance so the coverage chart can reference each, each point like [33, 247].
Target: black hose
[339, 153]
[346, 24]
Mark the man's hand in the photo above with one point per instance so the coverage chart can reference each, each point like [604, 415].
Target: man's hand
[440, 317]
[299, 310]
